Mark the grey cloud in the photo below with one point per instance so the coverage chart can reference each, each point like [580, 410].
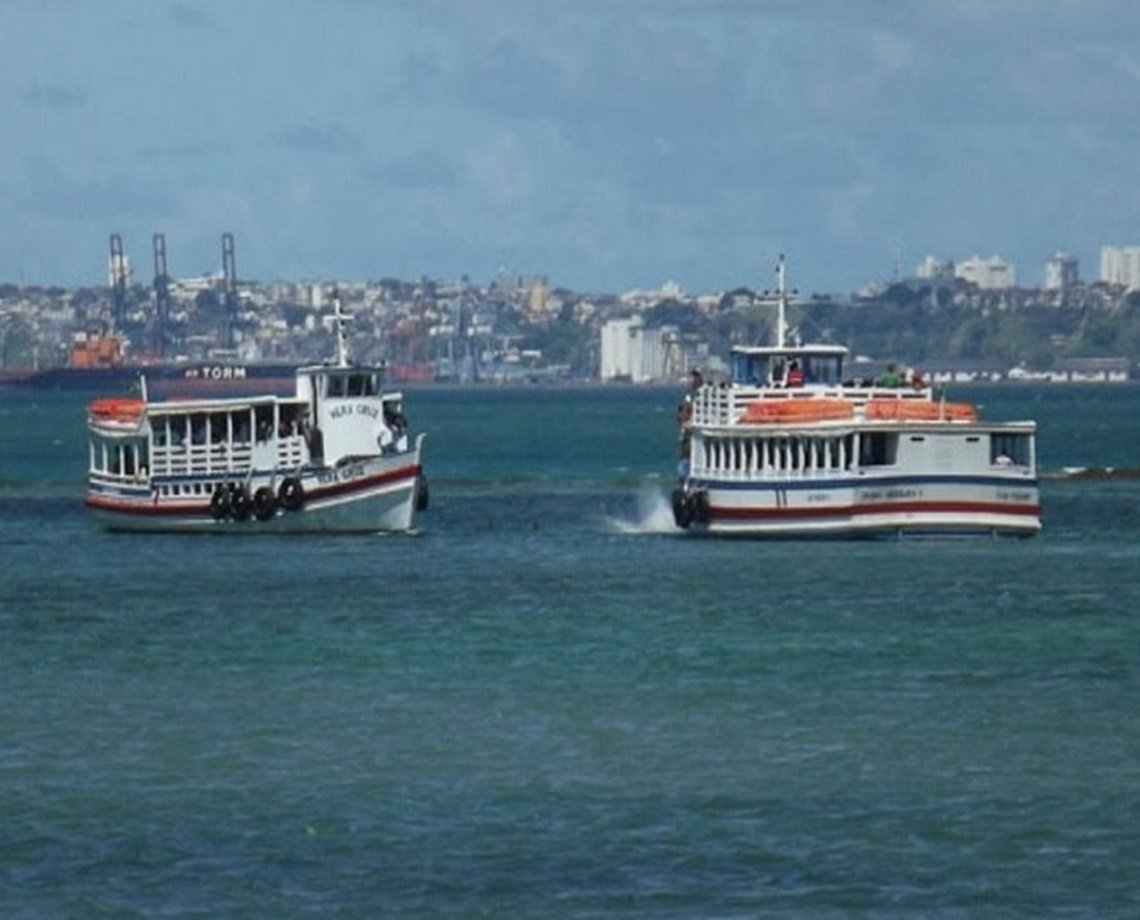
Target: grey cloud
[52, 193]
[185, 16]
[54, 96]
[318, 138]
[427, 169]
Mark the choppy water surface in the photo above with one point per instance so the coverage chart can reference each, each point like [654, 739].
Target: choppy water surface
[550, 703]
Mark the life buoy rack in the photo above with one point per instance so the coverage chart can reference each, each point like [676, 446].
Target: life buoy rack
[291, 494]
[264, 503]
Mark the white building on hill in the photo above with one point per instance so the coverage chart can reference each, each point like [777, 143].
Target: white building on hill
[1061, 272]
[1120, 265]
[631, 352]
[988, 274]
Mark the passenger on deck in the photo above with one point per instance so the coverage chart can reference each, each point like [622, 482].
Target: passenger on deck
[795, 375]
[889, 379]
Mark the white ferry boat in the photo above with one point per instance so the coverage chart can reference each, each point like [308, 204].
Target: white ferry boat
[335, 456]
[790, 447]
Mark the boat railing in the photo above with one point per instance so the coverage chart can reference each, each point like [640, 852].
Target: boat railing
[182, 459]
[291, 450]
[724, 405]
[199, 459]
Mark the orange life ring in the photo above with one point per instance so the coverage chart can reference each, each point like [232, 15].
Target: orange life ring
[775, 411]
[116, 409]
[920, 410]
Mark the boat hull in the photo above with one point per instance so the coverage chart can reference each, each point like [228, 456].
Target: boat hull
[899, 506]
[369, 496]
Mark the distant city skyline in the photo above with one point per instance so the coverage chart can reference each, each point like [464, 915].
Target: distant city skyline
[605, 146]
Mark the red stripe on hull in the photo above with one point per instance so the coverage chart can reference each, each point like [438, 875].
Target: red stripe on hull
[152, 507]
[719, 512]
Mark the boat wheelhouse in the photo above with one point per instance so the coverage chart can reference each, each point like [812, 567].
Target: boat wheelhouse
[335, 456]
[792, 446]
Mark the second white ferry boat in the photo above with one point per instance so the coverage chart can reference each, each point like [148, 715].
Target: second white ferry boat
[790, 447]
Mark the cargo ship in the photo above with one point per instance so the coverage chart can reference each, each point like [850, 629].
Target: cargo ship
[97, 363]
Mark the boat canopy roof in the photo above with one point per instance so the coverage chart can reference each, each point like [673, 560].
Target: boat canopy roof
[767, 365]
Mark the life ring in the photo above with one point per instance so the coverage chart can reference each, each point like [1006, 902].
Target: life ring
[241, 505]
[421, 493]
[291, 494]
[682, 510]
[264, 503]
[220, 503]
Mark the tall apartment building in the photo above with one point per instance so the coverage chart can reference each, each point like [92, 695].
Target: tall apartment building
[1061, 272]
[630, 351]
[1120, 265]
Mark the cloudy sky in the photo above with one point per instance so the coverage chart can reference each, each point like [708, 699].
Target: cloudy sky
[607, 144]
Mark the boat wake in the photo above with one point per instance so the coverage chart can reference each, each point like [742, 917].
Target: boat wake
[653, 515]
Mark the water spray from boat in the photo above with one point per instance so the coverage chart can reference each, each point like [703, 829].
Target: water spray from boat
[653, 514]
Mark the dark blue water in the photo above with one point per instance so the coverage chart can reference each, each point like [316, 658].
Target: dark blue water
[548, 704]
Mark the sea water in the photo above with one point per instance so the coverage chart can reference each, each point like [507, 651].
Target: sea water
[549, 702]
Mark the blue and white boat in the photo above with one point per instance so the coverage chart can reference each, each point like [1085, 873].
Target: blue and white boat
[335, 456]
[792, 447]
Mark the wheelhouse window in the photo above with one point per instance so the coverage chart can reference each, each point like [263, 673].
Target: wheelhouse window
[878, 448]
[1009, 449]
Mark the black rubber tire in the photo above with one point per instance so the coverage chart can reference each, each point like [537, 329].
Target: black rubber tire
[264, 503]
[682, 509]
[699, 502]
[241, 505]
[291, 494]
[220, 503]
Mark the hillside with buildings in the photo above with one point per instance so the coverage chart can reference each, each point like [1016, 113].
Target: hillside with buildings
[968, 320]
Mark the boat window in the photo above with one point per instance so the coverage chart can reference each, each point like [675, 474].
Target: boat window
[218, 428]
[240, 426]
[289, 423]
[361, 385]
[823, 369]
[750, 370]
[177, 430]
[197, 429]
[1009, 449]
[878, 448]
[263, 422]
[336, 388]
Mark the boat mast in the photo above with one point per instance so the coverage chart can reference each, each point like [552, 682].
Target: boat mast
[781, 304]
[340, 320]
